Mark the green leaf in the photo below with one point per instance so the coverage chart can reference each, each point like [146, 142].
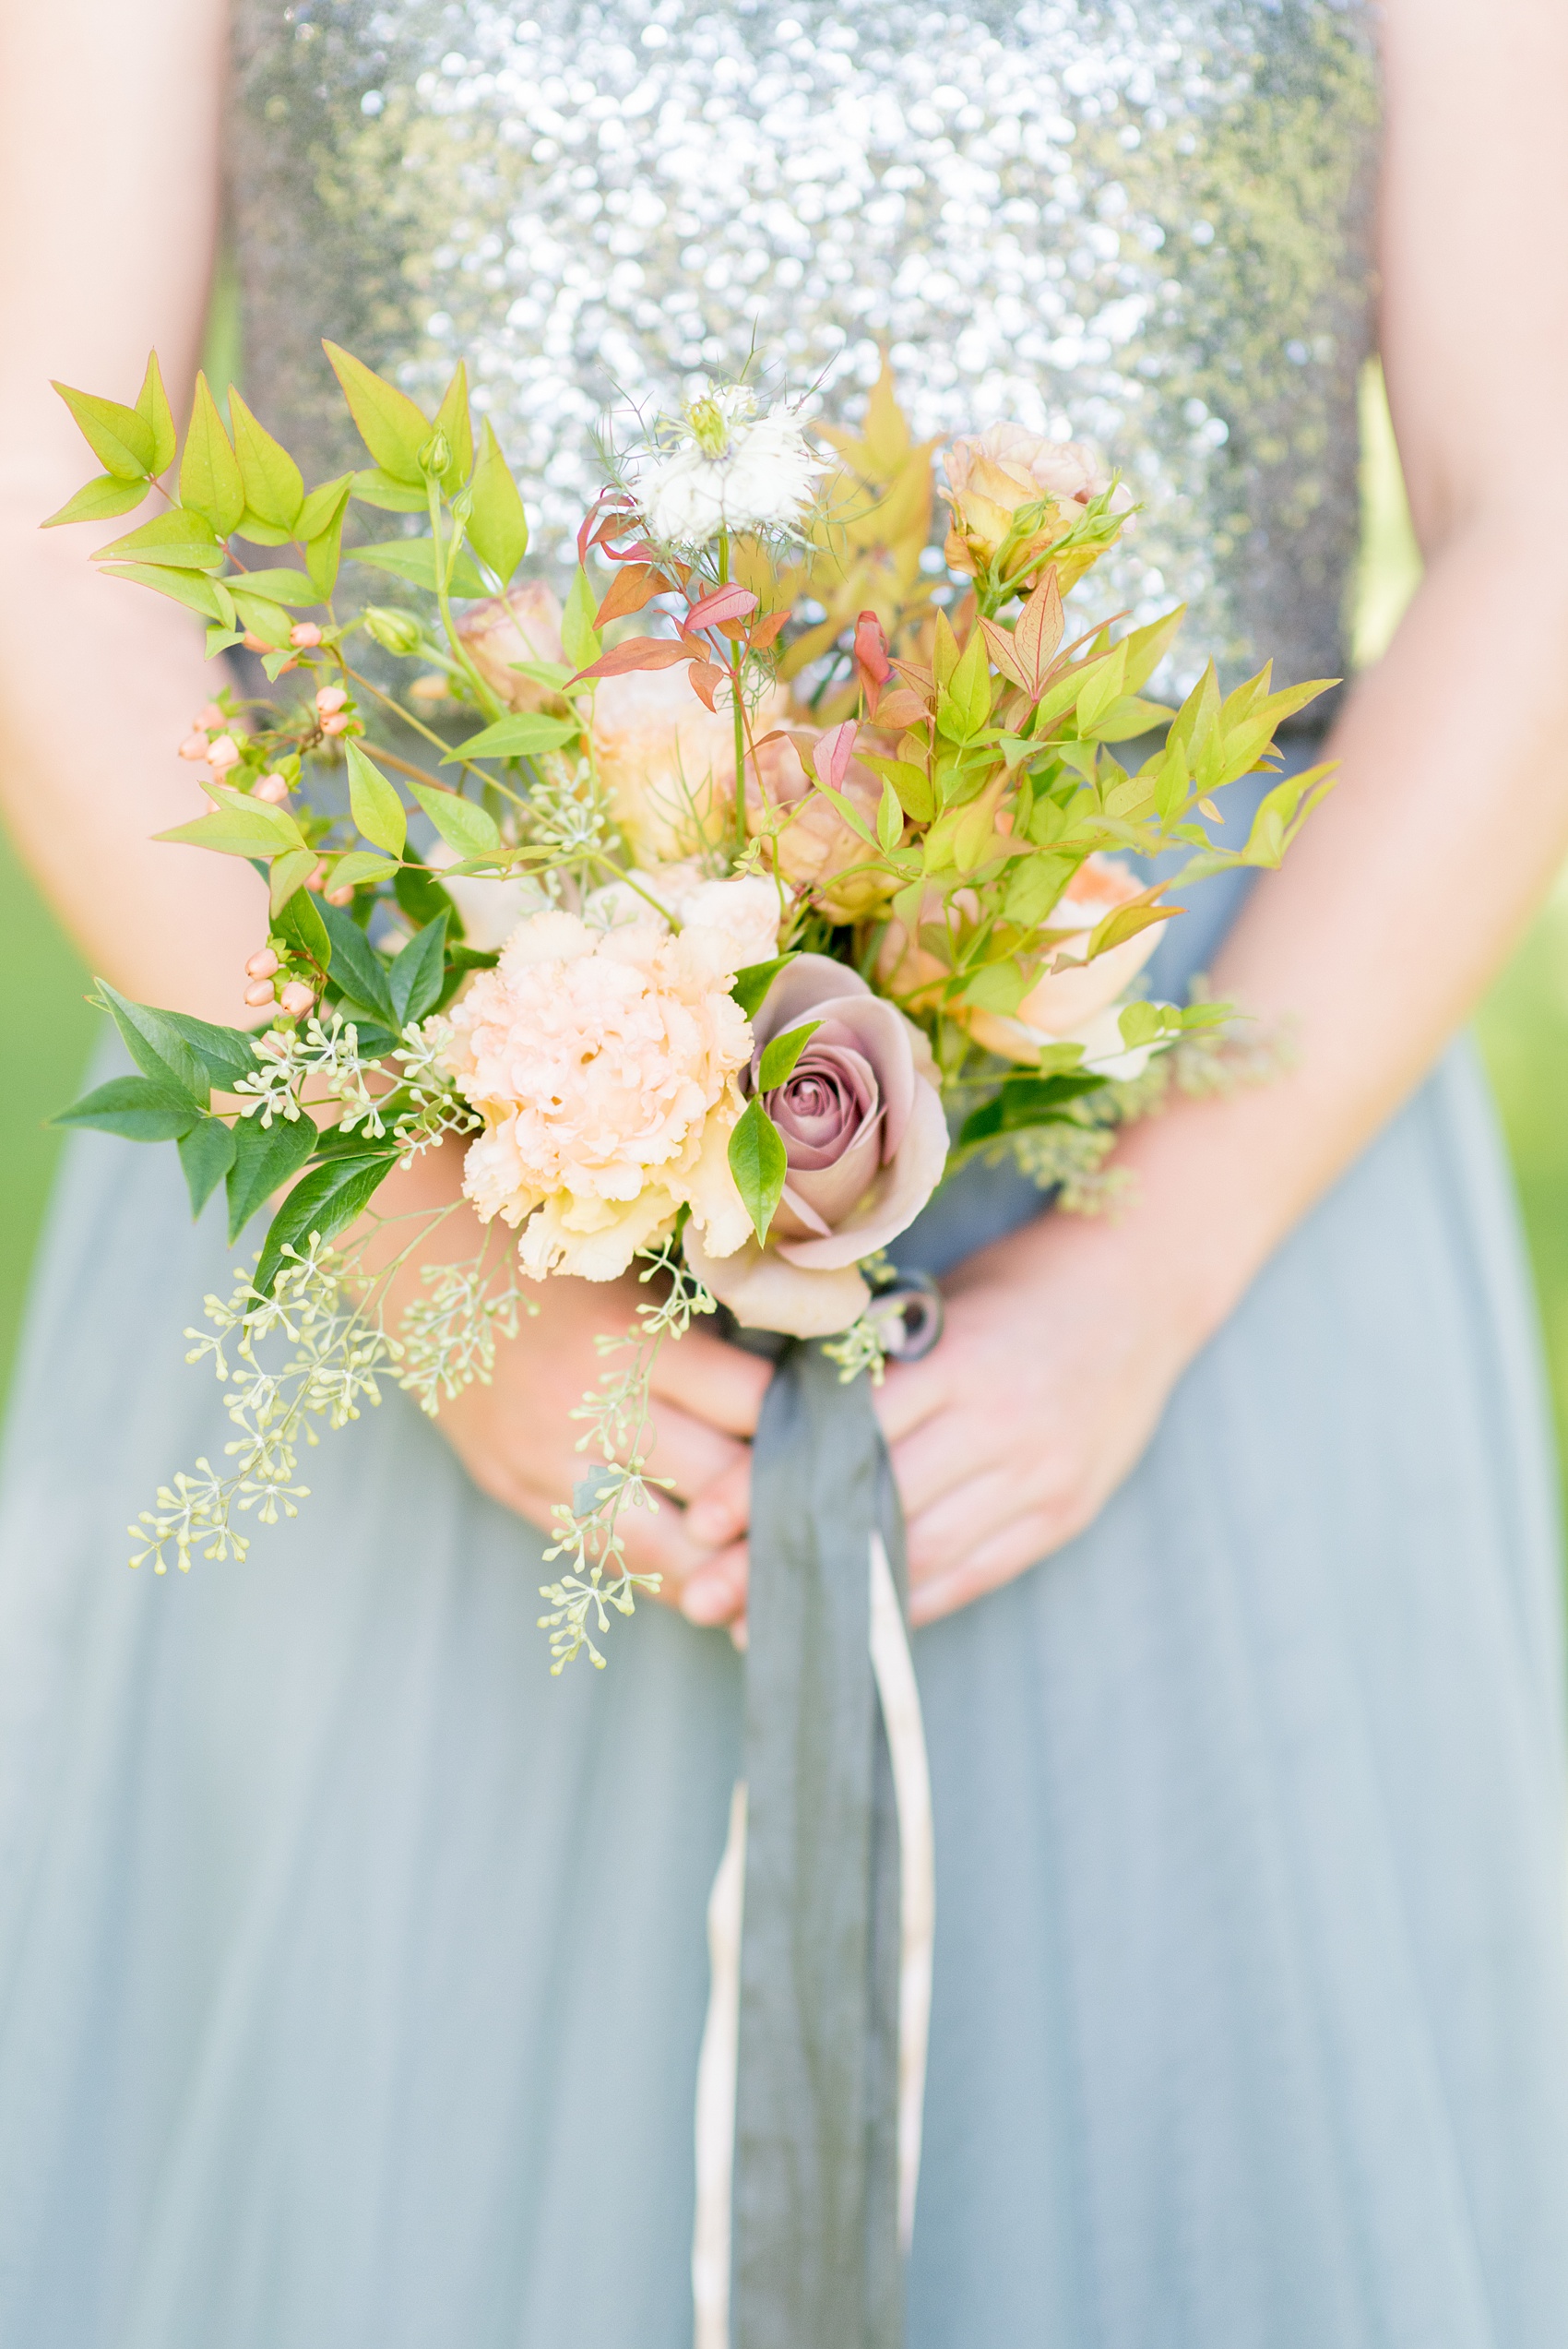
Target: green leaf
[462, 825]
[516, 737]
[752, 983]
[970, 686]
[264, 1156]
[259, 533]
[152, 407]
[185, 539]
[209, 472]
[290, 872]
[225, 1053]
[122, 441]
[299, 920]
[758, 1162]
[1142, 1022]
[414, 559]
[1147, 647]
[321, 527]
[414, 982]
[1025, 1101]
[391, 427]
[781, 1054]
[358, 971]
[889, 818]
[279, 586]
[322, 1205]
[498, 528]
[1105, 686]
[359, 866]
[1034, 886]
[158, 1048]
[219, 639]
[375, 805]
[133, 1107]
[273, 487]
[324, 502]
[100, 501]
[911, 782]
[452, 418]
[207, 1154]
[241, 826]
[373, 487]
[1125, 718]
[421, 896]
[189, 588]
[578, 635]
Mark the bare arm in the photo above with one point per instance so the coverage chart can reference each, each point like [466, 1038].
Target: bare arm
[1399, 903]
[108, 194]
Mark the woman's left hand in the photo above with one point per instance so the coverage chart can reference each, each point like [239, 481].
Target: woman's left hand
[1053, 1367]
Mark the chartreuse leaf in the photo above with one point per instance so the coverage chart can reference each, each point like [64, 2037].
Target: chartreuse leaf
[498, 528]
[757, 1162]
[207, 1154]
[181, 539]
[391, 427]
[264, 1156]
[372, 487]
[152, 407]
[414, 559]
[209, 472]
[322, 1205]
[964, 709]
[135, 1107]
[462, 825]
[225, 1053]
[359, 866]
[321, 527]
[300, 922]
[288, 871]
[518, 737]
[578, 635]
[278, 585]
[1142, 1022]
[273, 487]
[781, 1054]
[122, 441]
[752, 983]
[205, 596]
[158, 1048]
[375, 807]
[414, 981]
[889, 818]
[1027, 1099]
[358, 971]
[241, 826]
[452, 418]
[100, 501]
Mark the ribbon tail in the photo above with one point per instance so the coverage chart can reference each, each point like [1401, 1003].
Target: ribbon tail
[716, 2090]
[899, 1693]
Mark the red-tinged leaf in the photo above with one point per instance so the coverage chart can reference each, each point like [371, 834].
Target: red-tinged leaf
[631, 589]
[638, 652]
[725, 604]
[705, 681]
[1038, 632]
[602, 520]
[900, 709]
[834, 753]
[999, 644]
[766, 631]
[871, 648]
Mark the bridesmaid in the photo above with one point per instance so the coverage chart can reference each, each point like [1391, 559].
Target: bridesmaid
[351, 1973]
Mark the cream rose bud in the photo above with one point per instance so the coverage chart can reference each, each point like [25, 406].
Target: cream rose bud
[668, 761]
[865, 1142]
[1059, 1005]
[817, 845]
[522, 624]
[992, 475]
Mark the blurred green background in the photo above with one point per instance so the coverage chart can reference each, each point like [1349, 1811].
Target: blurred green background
[1522, 1025]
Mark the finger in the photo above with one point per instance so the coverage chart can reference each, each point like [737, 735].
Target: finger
[692, 1453]
[716, 1591]
[941, 1454]
[719, 1383]
[912, 1394]
[720, 1511]
[1020, 1545]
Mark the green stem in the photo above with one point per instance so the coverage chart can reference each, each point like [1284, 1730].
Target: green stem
[486, 700]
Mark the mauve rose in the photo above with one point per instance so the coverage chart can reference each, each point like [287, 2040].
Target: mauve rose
[523, 625]
[865, 1140]
[817, 845]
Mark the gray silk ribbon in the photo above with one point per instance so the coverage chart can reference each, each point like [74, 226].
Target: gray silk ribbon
[815, 2261]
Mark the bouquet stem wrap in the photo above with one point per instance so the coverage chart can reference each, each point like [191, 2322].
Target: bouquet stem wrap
[815, 2243]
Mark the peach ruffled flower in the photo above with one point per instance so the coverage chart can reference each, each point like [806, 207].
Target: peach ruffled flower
[604, 1065]
[668, 762]
[523, 625]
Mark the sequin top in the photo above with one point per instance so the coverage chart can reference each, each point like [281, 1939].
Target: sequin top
[1144, 223]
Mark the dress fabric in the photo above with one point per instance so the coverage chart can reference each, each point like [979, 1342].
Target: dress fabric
[352, 1971]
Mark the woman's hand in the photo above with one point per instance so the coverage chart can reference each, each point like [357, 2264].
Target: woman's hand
[1059, 1351]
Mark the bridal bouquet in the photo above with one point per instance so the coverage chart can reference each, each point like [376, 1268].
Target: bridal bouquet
[717, 913]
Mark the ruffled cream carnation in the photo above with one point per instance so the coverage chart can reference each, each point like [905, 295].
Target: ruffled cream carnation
[603, 1063]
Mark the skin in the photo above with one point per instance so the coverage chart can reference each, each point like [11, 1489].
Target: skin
[1064, 1341]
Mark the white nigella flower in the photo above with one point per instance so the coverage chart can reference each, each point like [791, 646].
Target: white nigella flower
[723, 466]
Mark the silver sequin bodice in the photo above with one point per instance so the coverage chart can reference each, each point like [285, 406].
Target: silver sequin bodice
[1140, 223]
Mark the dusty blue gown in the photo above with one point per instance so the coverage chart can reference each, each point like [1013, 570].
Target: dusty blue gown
[352, 1970]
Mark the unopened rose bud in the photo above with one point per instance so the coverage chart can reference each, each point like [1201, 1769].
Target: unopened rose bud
[194, 746]
[330, 699]
[396, 632]
[296, 1000]
[338, 724]
[271, 787]
[262, 964]
[210, 716]
[436, 454]
[259, 991]
[303, 635]
[223, 753]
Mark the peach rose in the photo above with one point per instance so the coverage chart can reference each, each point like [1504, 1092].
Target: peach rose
[993, 475]
[817, 844]
[523, 625]
[1062, 1006]
[866, 1141]
[668, 761]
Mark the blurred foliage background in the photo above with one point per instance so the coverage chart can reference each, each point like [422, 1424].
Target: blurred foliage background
[1522, 1025]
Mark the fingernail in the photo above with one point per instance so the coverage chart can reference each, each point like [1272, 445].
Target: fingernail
[706, 1598]
[740, 1637]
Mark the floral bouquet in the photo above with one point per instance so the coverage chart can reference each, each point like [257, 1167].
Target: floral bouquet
[723, 909]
